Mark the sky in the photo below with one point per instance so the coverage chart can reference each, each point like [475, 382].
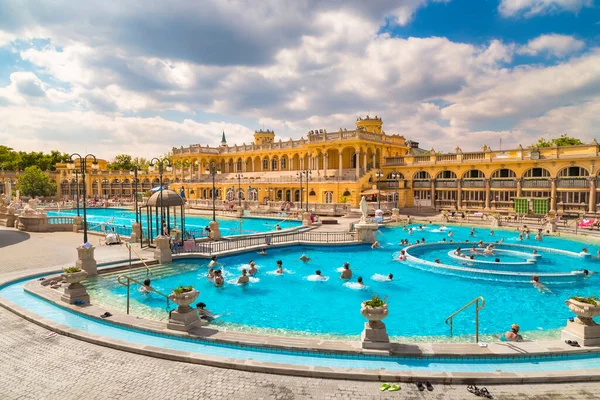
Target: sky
[140, 77]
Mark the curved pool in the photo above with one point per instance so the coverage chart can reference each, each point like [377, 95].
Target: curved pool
[121, 220]
[419, 301]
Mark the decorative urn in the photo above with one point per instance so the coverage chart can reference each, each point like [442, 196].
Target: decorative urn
[585, 311]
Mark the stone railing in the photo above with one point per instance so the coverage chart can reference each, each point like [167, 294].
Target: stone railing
[43, 223]
[581, 182]
[536, 183]
[503, 183]
[473, 184]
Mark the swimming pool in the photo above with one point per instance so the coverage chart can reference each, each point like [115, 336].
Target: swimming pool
[122, 220]
[419, 301]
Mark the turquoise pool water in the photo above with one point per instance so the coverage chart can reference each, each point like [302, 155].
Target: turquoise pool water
[419, 301]
[122, 220]
[15, 293]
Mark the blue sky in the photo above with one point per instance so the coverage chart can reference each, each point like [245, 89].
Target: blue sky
[145, 76]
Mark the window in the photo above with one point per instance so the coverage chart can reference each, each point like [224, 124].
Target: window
[476, 195]
[283, 163]
[504, 195]
[422, 194]
[265, 165]
[539, 194]
[573, 197]
[252, 194]
[446, 194]
[274, 164]
[328, 197]
[446, 175]
[312, 192]
[346, 193]
[573, 171]
[421, 175]
[474, 174]
[504, 173]
[537, 173]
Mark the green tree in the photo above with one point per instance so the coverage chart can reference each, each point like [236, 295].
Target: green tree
[563, 140]
[34, 182]
[141, 162]
[121, 162]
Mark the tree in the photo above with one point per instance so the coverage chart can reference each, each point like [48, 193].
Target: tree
[563, 140]
[141, 162]
[11, 160]
[34, 182]
[121, 162]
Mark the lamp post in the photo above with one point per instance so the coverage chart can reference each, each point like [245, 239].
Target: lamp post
[83, 166]
[77, 189]
[213, 170]
[134, 173]
[307, 173]
[299, 175]
[379, 174]
[162, 164]
[239, 178]
[396, 176]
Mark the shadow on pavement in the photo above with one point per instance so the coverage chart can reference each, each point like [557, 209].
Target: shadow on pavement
[8, 238]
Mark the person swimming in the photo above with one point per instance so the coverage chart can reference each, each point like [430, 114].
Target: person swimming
[390, 277]
[252, 270]
[213, 262]
[450, 233]
[263, 252]
[204, 314]
[437, 260]
[346, 272]
[219, 280]
[480, 244]
[489, 250]
[319, 276]
[146, 288]
[410, 231]
[360, 281]
[458, 253]
[376, 245]
[539, 285]
[402, 256]
[497, 260]
[244, 278]
[279, 267]
[491, 232]
[211, 274]
[304, 258]
[513, 334]
[473, 250]
[472, 232]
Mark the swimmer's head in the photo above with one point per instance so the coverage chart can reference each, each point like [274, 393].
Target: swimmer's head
[359, 280]
[318, 272]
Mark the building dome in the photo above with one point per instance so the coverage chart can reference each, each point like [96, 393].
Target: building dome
[169, 199]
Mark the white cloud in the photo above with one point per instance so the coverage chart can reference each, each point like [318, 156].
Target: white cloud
[553, 44]
[529, 8]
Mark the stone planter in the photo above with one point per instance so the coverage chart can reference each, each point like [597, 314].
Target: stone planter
[86, 261]
[375, 336]
[75, 291]
[184, 318]
[585, 312]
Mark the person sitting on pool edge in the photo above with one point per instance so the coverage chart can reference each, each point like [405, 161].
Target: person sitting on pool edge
[252, 270]
[146, 288]
[244, 278]
[204, 314]
[458, 253]
[347, 272]
[304, 258]
[279, 267]
[513, 334]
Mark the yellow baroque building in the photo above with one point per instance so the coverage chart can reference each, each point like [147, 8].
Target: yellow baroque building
[346, 164]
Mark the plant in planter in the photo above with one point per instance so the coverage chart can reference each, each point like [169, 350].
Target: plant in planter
[183, 296]
[586, 308]
[73, 275]
[375, 310]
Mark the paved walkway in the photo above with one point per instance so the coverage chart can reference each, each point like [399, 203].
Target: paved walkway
[32, 367]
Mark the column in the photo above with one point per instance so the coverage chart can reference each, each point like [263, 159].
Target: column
[488, 193]
[301, 163]
[340, 164]
[458, 194]
[374, 159]
[433, 193]
[553, 194]
[365, 161]
[519, 187]
[289, 160]
[592, 206]
[357, 164]
[325, 161]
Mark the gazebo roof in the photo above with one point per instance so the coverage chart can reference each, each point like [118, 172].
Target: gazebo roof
[169, 199]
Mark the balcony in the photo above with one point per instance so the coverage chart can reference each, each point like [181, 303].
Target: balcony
[445, 184]
[395, 161]
[573, 183]
[536, 183]
[421, 184]
[468, 184]
[504, 183]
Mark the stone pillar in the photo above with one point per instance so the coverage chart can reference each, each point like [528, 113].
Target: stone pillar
[519, 187]
[582, 329]
[374, 159]
[136, 232]
[488, 193]
[553, 194]
[325, 162]
[375, 336]
[306, 221]
[77, 224]
[340, 164]
[75, 291]
[85, 260]
[458, 194]
[432, 193]
[592, 204]
[162, 252]
[365, 161]
[184, 318]
[366, 232]
[357, 164]
[215, 232]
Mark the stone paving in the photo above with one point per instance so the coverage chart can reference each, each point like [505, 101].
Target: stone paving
[33, 367]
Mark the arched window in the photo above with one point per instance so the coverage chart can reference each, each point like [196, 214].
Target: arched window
[265, 165]
[421, 176]
[284, 163]
[312, 192]
[537, 173]
[572, 172]
[446, 175]
[504, 173]
[252, 194]
[328, 197]
[274, 164]
[474, 174]
[346, 193]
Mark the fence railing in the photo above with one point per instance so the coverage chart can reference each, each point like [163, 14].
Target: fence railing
[537, 183]
[473, 184]
[61, 220]
[503, 183]
[206, 247]
[573, 183]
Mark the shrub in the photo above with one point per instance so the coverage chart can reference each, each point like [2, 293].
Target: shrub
[183, 289]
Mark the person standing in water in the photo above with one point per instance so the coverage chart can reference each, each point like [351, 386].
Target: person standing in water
[279, 267]
[244, 278]
[347, 272]
[304, 258]
[213, 262]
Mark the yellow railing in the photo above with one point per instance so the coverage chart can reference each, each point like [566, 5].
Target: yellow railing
[477, 308]
[148, 270]
[128, 285]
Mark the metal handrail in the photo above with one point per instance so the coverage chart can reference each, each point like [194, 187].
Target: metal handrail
[477, 309]
[148, 270]
[128, 284]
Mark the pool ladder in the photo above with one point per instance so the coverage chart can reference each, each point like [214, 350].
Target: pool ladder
[128, 285]
[477, 308]
[130, 248]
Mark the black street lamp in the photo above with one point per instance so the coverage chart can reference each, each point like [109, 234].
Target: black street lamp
[299, 175]
[83, 166]
[239, 178]
[162, 164]
[77, 189]
[307, 173]
[379, 174]
[134, 173]
[213, 170]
